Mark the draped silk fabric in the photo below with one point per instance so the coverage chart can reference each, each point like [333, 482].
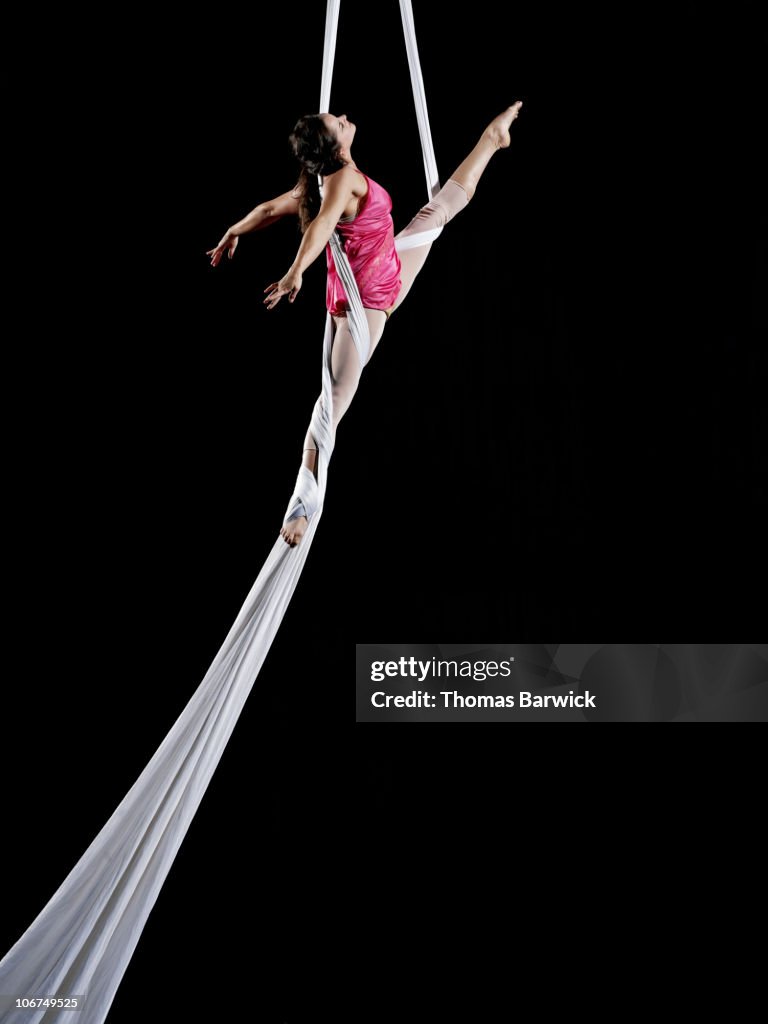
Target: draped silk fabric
[82, 940]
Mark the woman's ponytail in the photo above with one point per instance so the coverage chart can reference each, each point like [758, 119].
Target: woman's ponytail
[316, 149]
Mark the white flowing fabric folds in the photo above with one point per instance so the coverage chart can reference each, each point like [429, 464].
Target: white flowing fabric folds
[81, 942]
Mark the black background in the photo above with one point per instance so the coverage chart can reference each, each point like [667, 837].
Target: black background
[562, 428]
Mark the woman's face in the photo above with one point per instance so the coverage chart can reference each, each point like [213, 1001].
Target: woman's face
[343, 129]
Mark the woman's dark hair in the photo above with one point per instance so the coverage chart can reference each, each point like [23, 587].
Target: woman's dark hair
[317, 150]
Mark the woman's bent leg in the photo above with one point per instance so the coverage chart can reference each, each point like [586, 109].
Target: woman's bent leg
[345, 377]
[345, 362]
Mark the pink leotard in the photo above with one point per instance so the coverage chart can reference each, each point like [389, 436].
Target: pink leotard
[369, 242]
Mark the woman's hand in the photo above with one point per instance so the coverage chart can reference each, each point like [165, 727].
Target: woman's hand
[228, 244]
[289, 285]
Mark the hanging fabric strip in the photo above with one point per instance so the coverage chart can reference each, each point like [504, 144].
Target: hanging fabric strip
[425, 135]
[419, 99]
[329, 53]
[358, 322]
[82, 941]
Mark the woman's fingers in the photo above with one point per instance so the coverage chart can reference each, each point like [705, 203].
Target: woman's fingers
[276, 292]
[217, 253]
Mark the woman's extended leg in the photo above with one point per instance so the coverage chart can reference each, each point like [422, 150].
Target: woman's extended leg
[453, 196]
[345, 377]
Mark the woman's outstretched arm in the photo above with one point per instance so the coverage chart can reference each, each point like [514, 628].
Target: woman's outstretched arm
[337, 193]
[260, 217]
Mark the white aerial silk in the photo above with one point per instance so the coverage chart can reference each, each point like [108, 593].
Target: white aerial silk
[81, 942]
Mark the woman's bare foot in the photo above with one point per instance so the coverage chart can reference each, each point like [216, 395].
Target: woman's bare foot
[294, 530]
[498, 129]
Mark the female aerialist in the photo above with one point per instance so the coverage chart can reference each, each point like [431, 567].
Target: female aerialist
[360, 210]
